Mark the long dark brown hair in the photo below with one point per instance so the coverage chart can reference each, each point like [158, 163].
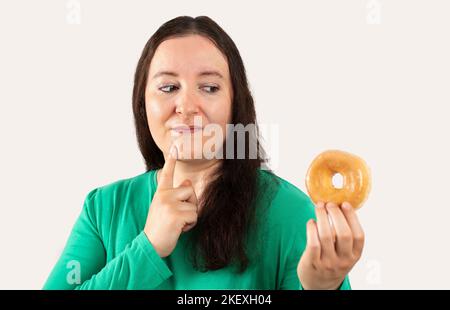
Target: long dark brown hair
[228, 201]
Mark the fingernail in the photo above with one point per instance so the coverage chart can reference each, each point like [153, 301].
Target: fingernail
[346, 206]
[320, 204]
[174, 152]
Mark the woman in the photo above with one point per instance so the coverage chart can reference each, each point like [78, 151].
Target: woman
[196, 221]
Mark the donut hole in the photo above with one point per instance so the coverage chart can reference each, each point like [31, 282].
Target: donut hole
[338, 181]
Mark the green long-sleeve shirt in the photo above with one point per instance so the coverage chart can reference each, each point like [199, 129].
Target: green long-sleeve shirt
[107, 248]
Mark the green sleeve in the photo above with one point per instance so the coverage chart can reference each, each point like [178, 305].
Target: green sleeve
[82, 264]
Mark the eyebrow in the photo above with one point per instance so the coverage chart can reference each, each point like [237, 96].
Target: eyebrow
[202, 73]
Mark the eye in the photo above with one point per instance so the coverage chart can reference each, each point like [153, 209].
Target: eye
[168, 88]
[210, 88]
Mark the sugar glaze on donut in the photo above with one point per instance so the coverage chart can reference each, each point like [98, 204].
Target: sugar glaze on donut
[355, 174]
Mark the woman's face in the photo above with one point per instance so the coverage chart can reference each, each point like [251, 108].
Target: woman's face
[188, 85]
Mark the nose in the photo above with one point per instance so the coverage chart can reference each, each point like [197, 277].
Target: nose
[187, 104]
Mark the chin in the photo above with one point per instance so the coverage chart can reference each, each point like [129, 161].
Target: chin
[190, 157]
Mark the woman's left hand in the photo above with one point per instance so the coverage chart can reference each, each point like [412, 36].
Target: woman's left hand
[331, 250]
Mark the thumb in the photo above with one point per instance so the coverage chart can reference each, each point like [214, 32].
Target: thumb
[193, 198]
[186, 182]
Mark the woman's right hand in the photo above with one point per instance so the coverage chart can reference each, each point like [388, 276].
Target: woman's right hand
[172, 210]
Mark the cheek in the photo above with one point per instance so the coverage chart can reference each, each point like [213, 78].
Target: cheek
[224, 118]
[219, 112]
[157, 116]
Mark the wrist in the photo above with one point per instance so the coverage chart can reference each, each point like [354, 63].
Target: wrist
[152, 242]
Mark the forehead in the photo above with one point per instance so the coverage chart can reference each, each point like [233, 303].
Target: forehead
[188, 54]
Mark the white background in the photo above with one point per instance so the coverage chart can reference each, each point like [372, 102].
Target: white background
[349, 74]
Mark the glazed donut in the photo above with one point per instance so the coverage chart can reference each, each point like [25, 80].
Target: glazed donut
[356, 178]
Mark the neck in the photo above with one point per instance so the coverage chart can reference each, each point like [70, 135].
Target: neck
[197, 171]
